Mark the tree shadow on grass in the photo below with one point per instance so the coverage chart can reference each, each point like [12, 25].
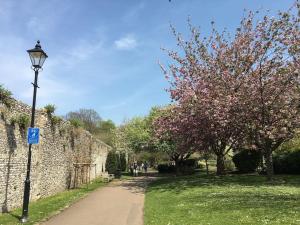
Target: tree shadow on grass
[232, 203]
[179, 184]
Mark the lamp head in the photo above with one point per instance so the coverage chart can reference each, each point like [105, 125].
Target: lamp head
[37, 56]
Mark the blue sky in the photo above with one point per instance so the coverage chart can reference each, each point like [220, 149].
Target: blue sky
[103, 54]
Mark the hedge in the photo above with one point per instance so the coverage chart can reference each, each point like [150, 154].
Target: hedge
[287, 162]
[247, 160]
[166, 168]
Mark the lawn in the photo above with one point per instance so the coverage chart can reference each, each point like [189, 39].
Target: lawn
[44, 208]
[231, 199]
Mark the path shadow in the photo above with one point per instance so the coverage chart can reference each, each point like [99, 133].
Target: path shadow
[136, 185]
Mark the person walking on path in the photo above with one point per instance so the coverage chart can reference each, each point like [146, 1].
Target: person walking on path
[135, 169]
[142, 167]
[145, 167]
[131, 169]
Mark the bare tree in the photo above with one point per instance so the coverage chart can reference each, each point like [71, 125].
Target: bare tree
[89, 117]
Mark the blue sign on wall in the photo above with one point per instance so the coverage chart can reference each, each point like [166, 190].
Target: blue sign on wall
[33, 135]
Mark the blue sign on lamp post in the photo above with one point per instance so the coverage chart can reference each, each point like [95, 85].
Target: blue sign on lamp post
[33, 135]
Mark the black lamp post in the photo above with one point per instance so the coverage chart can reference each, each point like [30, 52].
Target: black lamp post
[37, 57]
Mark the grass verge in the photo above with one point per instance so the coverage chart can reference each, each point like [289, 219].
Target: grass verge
[43, 209]
[227, 200]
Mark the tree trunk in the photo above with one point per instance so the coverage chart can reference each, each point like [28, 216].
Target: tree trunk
[269, 164]
[220, 164]
[206, 165]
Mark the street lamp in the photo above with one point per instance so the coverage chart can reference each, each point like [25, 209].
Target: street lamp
[37, 57]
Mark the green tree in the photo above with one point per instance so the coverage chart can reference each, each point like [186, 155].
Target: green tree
[105, 131]
[5, 97]
[137, 133]
[136, 137]
[123, 163]
[111, 164]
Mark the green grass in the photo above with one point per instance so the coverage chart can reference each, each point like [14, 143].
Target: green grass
[44, 208]
[231, 199]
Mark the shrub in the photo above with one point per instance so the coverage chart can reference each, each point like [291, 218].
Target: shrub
[76, 123]
[187, 166]
[166, 168]
[190, 163]
[163, 168]
[50, 109]
[247, 160]
[111, 164]
[13, 121]
[56, 120]
[118, 161]
[5, 97]
[23, 121]
[287, 162]
[123, 164]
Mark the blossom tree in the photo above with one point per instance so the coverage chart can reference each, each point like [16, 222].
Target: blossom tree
[206, 89]
[171, 129]
[228, 90]
[272, 93]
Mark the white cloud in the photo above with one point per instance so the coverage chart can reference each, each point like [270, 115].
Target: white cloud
[126, 43]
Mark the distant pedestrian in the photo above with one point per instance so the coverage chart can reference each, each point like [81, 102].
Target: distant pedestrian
[135, 169]
[131, 169]
[145, 167]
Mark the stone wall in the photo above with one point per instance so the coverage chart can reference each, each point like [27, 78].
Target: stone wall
[65, 157]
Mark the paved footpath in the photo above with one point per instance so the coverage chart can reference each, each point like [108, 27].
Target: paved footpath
[119, 203]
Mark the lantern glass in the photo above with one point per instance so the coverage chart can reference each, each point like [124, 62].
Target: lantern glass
[37, 56]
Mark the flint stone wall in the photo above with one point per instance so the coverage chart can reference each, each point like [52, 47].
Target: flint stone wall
[65, 157]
